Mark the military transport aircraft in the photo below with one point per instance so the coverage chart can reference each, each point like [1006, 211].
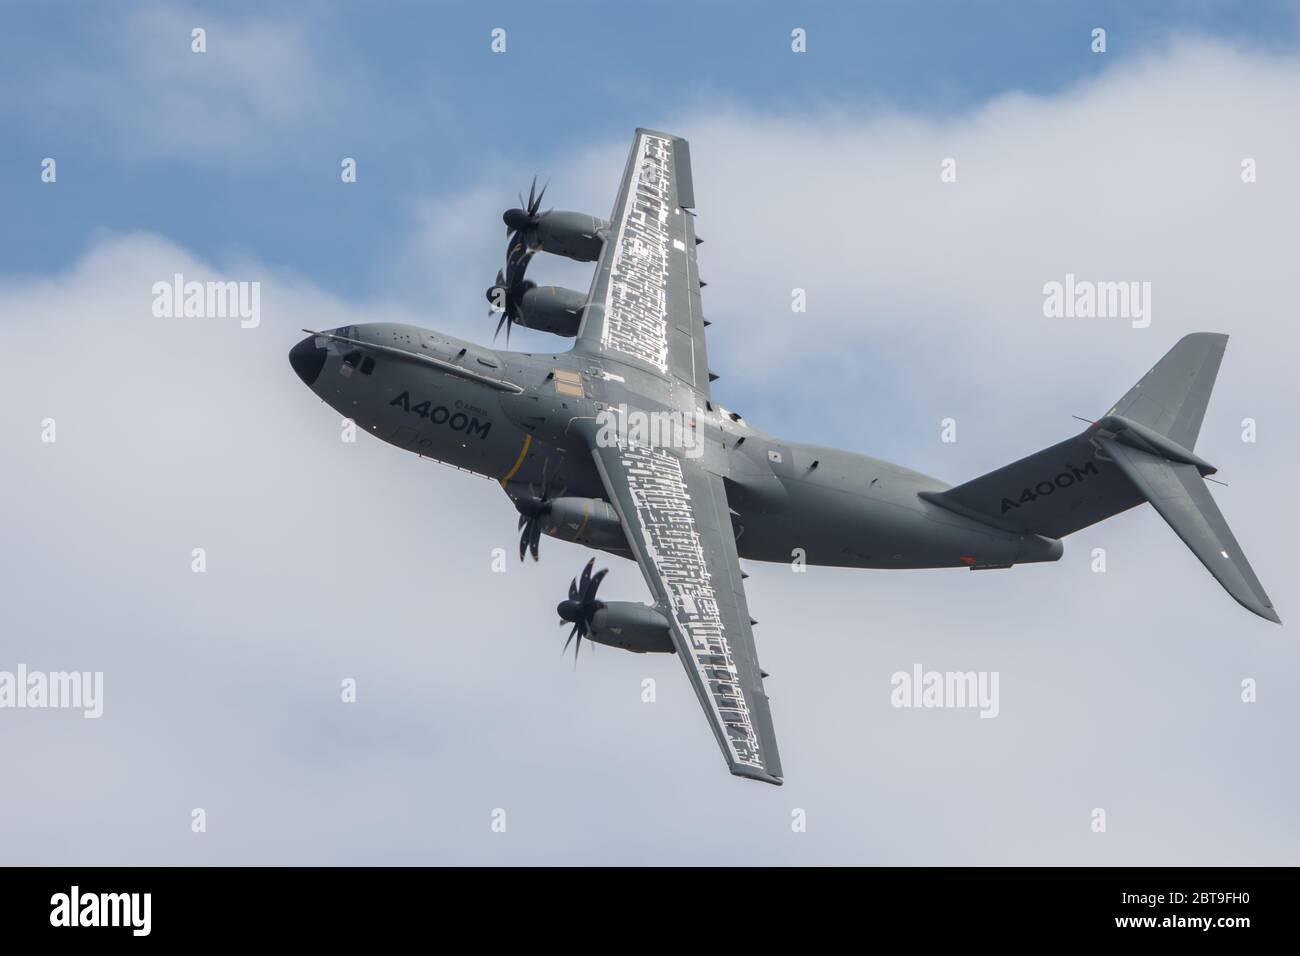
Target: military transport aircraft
[617, 444]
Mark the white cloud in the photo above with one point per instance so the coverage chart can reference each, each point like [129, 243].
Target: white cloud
[329, 560]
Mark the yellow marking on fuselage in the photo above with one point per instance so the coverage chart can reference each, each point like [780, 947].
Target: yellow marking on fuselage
[523, 453]
[586, 516]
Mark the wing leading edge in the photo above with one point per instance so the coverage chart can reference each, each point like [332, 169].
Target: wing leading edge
[676, 518]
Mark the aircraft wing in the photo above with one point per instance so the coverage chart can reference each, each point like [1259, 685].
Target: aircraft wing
[644, 312]
[677, 521]
[644, 304]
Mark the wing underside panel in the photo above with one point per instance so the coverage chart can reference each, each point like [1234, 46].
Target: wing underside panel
[669, 507]
[643, 307]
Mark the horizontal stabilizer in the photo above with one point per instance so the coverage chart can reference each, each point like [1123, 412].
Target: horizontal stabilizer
[1177, 491]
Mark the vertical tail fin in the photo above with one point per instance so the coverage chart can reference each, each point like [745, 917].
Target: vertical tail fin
[1171, 398]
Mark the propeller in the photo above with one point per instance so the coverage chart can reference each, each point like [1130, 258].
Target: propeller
[522, 223]
[507, 296]
[532, 509]
[581, 605]
[508, 291]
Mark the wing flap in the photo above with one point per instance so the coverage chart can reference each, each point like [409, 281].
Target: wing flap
[682, 167]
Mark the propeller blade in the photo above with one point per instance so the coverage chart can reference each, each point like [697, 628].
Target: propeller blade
[517, 258]
[570, 640]
[535, 537]
[586, 578]
[523, 542]
[534, 206]
[590, 593]
[573, 589]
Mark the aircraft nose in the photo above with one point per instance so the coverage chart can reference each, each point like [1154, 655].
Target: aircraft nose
[307, 359]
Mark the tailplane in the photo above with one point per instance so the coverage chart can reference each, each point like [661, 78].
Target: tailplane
[1141, 450]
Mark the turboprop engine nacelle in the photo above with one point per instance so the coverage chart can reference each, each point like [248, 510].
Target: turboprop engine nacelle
[574, 235]
[631, 626]
[551, 308]
[588, 521]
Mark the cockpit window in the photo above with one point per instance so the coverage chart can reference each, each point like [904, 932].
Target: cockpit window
[350, 361]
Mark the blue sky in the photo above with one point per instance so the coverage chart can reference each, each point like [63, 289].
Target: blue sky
[817, 172]
[412, 91]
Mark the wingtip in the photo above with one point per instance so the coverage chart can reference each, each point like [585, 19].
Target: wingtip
[1221, 336]
[756, 773]
[656, 132]
[1260, 608]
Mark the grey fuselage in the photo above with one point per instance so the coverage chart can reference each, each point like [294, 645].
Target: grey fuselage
[508, 415]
